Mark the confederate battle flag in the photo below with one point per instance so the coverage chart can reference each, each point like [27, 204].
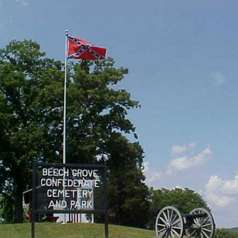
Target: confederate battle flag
[82, 49]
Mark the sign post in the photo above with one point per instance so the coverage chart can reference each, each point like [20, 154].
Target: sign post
[68, 189]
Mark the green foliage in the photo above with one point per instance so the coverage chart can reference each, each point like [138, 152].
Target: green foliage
[96, 110]
[184, 199]
[224, 233]
[234, 229]
[129, 197]
[7, 205]
[25, 117]
[31, 113]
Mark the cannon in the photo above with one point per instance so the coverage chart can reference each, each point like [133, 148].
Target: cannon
[170, 223]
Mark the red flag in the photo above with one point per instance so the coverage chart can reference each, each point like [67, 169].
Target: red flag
[82, 49]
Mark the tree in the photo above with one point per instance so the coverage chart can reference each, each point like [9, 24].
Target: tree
[31, 112]
[129, 197]
[184, 199]
[30, 88]
[96, 135]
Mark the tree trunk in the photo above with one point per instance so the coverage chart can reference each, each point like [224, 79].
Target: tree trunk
[18, 211]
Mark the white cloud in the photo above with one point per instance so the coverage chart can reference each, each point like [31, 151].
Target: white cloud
[187, 162]
[218, 78]
[219, 200]
[145, 167]
[150, 174]
[180, 149]
[178, 163]
[221, 192]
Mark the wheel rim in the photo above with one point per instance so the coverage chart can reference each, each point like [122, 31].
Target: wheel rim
[169, 223]
[203, 227]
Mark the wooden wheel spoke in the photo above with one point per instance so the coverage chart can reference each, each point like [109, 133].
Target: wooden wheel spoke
[162, 219]
[205, 234]
[159, 224]
[199, 221]
[205, 220]
[176, 227]
[171, 216]
[198, 235]
[176, 222]
[204, 229]
[174, 218]
[165, 234]
[196, 221]
[208, 224]
[161, 234]
[162, 230]
[168, 214]
[169, 234]
[175, 232]
[193, 232]
[165, 216]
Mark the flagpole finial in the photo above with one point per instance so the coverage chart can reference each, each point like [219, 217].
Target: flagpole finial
[66, 32]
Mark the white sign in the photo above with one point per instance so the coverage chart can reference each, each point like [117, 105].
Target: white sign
[68, 188]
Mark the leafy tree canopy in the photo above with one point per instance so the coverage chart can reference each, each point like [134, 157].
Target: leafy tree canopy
[31, 113]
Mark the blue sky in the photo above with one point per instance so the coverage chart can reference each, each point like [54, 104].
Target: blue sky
[182, 60]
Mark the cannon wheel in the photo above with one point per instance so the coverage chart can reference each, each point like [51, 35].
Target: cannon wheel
[169, 223]
[203, 227]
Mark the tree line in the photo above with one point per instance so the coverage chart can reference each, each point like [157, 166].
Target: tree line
[98, 131]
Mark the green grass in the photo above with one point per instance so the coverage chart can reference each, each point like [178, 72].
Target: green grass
[51, 230]
[235, 229]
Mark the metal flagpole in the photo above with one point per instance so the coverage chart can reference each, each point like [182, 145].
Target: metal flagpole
[65, 82]
[65, 103]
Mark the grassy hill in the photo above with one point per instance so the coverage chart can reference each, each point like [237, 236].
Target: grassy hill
[235, 229]
[51, 230]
